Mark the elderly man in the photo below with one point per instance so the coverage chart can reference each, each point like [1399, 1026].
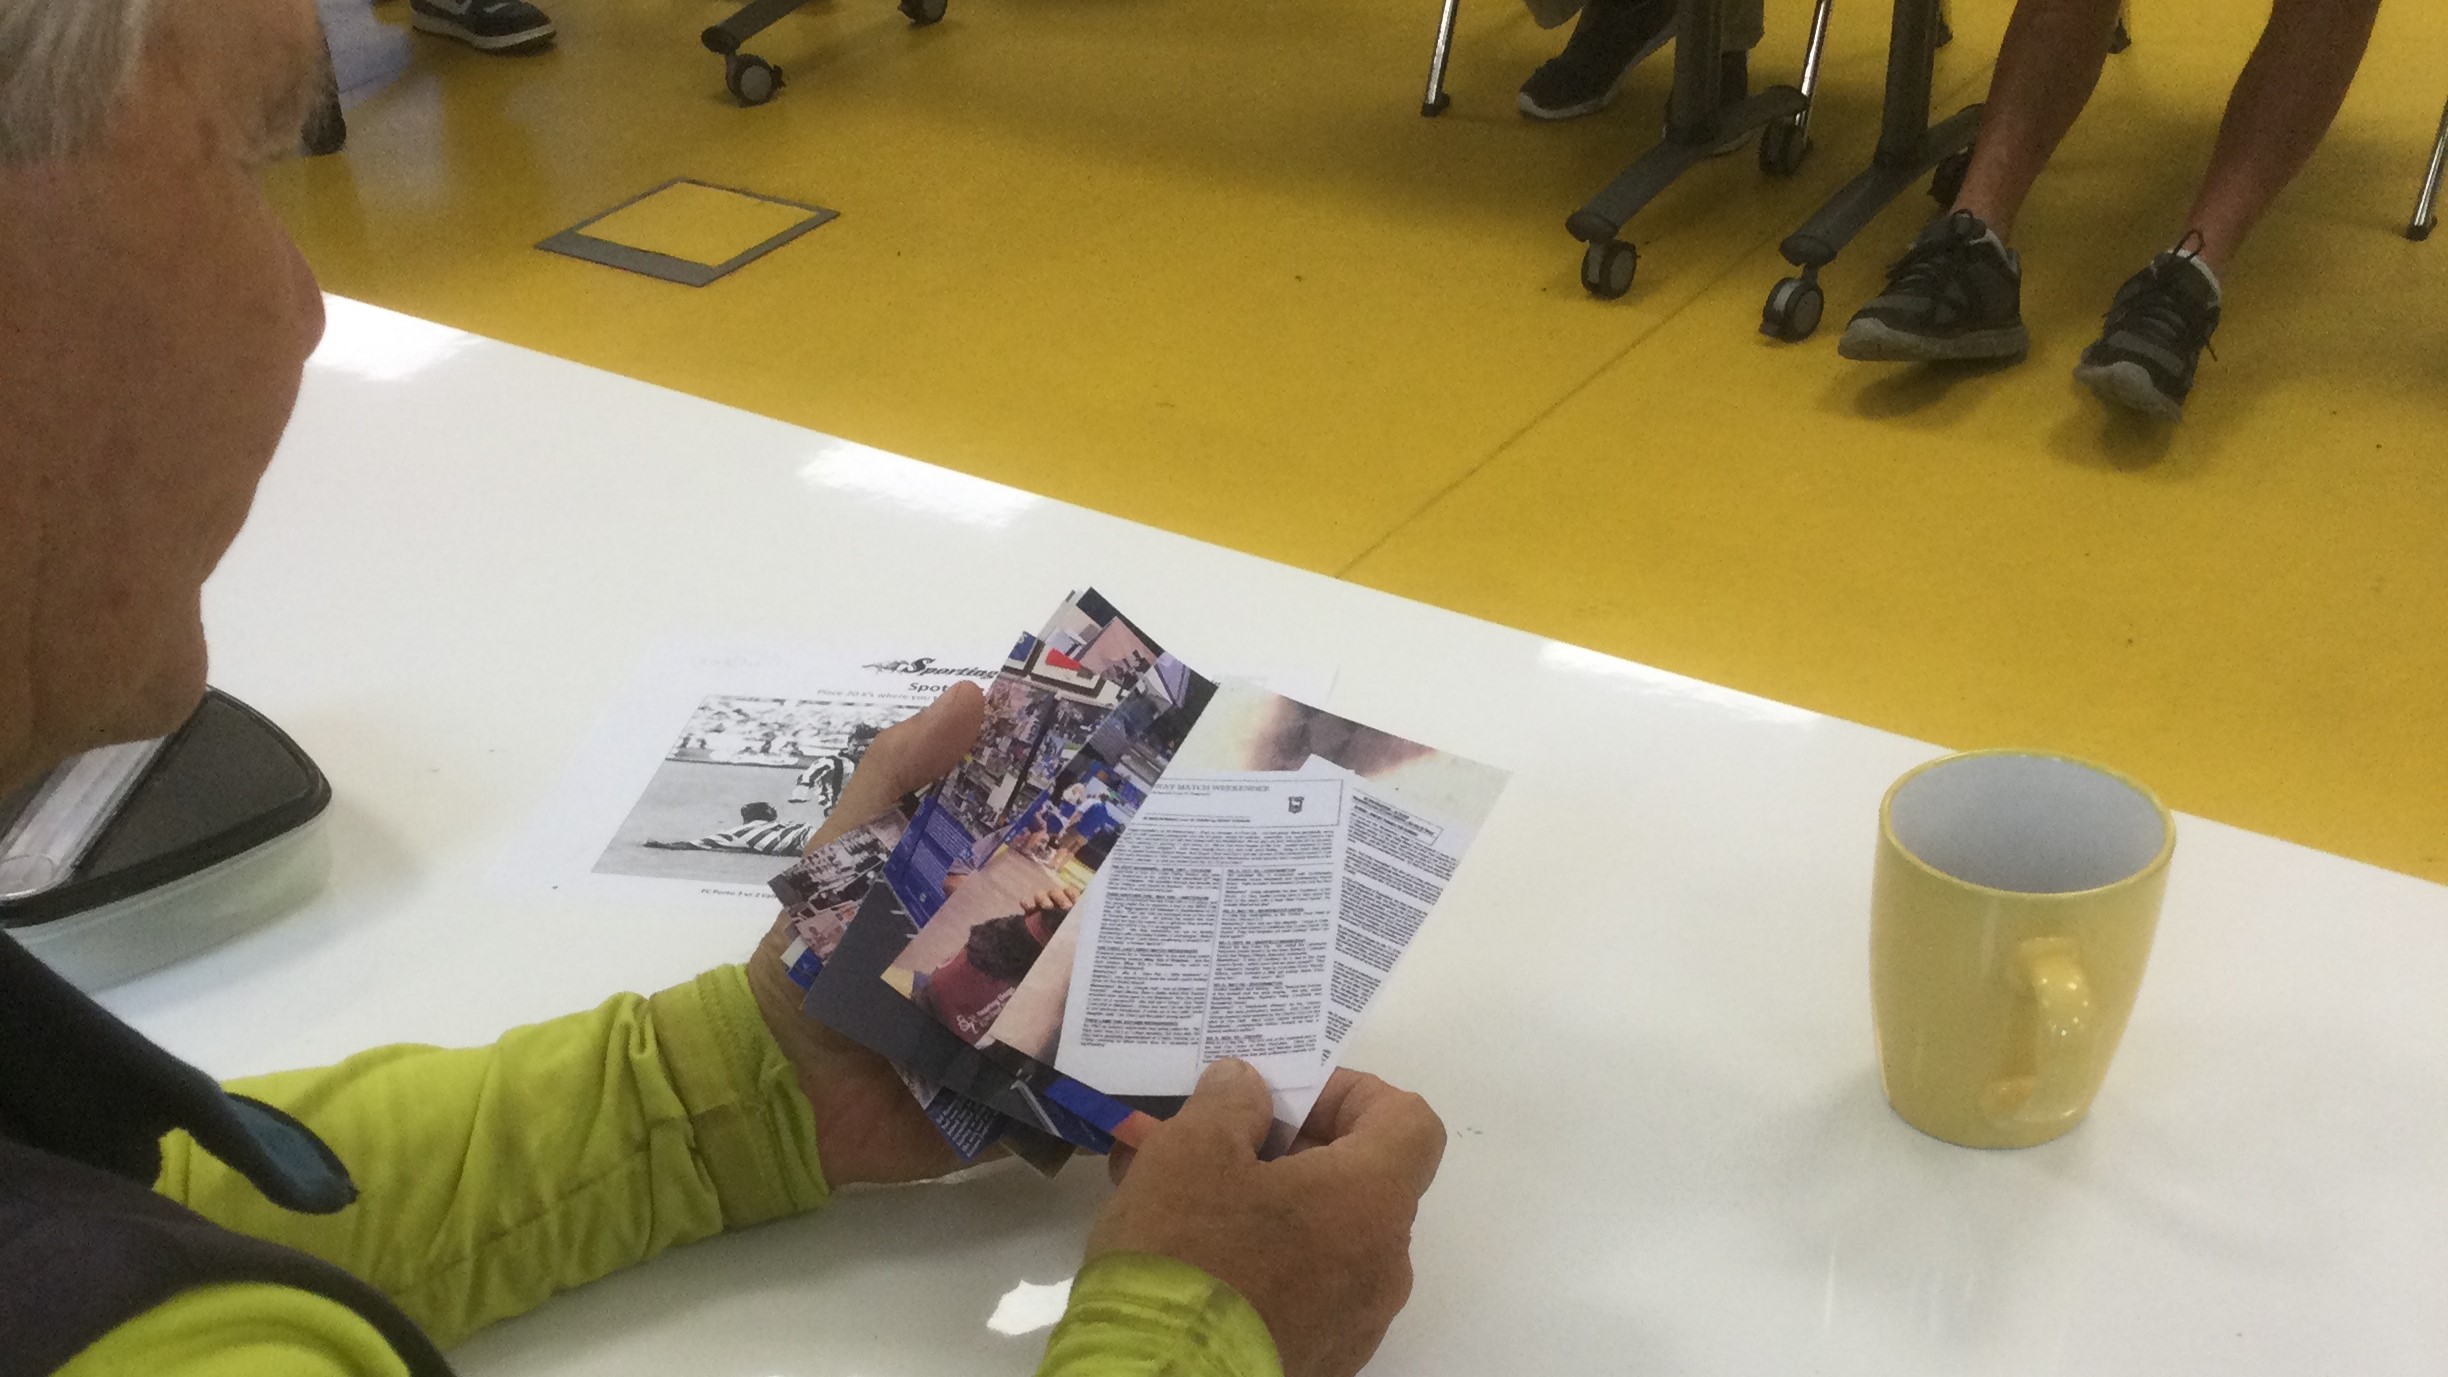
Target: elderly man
[1957, 294]
[153, 322]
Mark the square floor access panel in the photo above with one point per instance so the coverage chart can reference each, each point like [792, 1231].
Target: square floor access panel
[687, 231]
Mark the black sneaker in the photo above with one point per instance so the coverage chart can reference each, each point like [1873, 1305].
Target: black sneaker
[1610, 40]
[326, 130]
[2159, 323]
[496, 26]
[1955, 295]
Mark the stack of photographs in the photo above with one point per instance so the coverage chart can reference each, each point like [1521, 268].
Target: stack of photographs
[1133, 873]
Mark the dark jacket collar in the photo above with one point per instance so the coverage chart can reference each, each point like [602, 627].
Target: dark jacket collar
[78, 1082]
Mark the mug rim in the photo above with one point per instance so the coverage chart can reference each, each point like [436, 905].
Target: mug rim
[2158, 861]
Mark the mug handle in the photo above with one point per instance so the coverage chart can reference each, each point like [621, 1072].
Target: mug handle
[2063, 1030]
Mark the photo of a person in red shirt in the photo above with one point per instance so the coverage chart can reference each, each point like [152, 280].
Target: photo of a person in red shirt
[968, 989]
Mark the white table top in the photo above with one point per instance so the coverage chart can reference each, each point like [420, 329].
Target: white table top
[1643, 1009]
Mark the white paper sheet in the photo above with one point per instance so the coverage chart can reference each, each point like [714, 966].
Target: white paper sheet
[702, 732]
[1398, 858]
[1208, 935]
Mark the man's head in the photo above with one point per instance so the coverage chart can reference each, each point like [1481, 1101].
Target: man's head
[154, 318]
[758, 812]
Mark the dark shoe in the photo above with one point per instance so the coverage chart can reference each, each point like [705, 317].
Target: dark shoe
[326, 130]
[1610, 40]
[2159, 323]
[1955, 295]
[496, 26]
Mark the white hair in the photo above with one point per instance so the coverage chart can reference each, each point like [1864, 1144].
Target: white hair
[63, 65]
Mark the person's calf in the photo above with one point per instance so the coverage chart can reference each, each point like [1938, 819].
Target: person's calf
[2282, 106]
[2047, 66]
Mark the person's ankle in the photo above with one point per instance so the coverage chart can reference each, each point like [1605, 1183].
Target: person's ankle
[2000, 230]
[2195, 248]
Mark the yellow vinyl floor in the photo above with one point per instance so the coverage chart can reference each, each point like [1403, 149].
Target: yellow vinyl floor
[1203, 265]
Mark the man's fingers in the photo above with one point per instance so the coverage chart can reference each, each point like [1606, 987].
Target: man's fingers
[1327, 1116]
[907, 756]
[1232, 1099]
[923, 749]
[1364, 1120]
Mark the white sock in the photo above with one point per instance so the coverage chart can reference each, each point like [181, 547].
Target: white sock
[1990, 237]
[2207, 275]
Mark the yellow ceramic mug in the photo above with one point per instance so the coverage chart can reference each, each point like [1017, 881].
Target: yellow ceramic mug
[2010, 920]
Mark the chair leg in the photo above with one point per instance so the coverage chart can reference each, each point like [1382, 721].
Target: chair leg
[1436, 100]
[752, 18]
[1810, 62]
[2426, 206]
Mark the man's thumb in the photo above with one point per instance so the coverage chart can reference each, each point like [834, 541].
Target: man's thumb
[1232, 1099]
[923, 749]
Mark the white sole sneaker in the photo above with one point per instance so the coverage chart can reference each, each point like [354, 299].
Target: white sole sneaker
[531, 37]
[1576, 110]
[2128, 385]
[1870, 340]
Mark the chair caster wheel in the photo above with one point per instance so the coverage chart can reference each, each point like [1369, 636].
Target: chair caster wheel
[752, 79]
[1607, 268]
[1793, 309]
[1430, 109]
[1783, 145]
[1946, 181]
[924, 11]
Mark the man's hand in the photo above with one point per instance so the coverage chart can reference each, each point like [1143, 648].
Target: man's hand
[868, 1127]
[1317, 1241]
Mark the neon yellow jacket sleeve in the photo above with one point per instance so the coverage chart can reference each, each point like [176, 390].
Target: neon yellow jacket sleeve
[493, 1177]
[1132, 1315]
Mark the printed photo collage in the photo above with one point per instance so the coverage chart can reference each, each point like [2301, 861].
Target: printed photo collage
[943, 937]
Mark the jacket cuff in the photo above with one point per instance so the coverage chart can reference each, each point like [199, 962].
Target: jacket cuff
[1138, 1315]
[755, 1132]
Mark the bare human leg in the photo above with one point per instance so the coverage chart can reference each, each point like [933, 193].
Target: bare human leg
[2046, 70]
[1957, 294]
[2162, 319]
[2281, 106]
